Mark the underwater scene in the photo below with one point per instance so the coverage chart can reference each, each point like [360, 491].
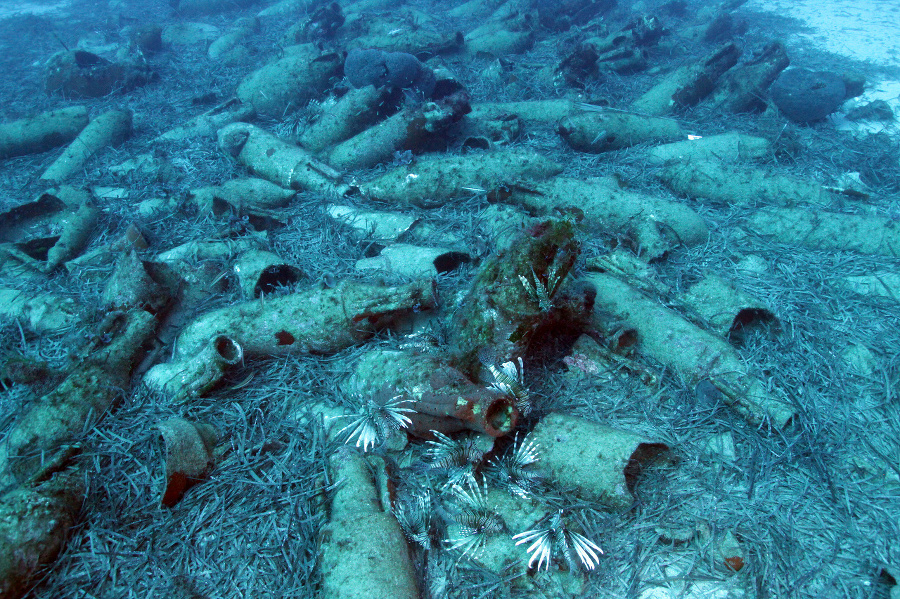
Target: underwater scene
[449, 299]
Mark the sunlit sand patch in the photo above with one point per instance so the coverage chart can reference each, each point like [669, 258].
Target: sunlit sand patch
[850, 27]
[31, 8]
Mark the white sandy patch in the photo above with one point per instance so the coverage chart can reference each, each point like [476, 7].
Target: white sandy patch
[864, 30]
[12, 9]
[889, 91]
[867, 30]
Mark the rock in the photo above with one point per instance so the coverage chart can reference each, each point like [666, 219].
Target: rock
[855, 82]
[394, 69]
[878, 110]
[806, 96]
[148, 39]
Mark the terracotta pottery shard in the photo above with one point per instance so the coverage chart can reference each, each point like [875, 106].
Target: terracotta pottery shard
[189, 455]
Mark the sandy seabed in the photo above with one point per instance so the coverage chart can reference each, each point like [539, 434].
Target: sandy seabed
[813, 509]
